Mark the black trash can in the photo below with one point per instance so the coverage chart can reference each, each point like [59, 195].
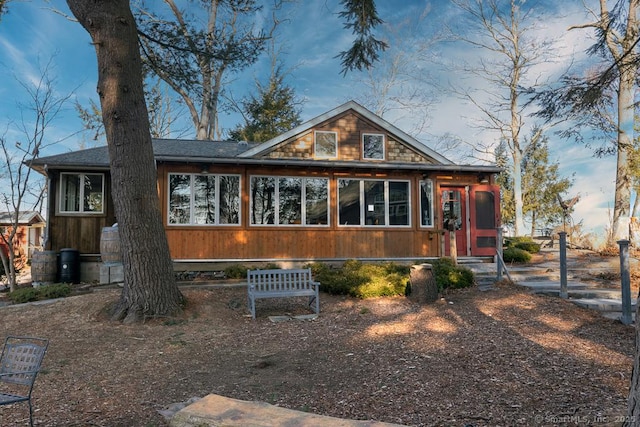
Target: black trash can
[69, 265]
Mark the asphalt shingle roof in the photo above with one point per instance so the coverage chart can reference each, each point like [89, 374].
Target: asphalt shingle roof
[98, 157]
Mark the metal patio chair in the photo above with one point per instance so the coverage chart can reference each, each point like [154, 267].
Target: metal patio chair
[19, 365]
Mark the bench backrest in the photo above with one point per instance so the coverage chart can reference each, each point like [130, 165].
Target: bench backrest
[280, 280]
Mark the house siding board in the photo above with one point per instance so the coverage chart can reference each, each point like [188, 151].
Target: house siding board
[81, 232]
[349, 128]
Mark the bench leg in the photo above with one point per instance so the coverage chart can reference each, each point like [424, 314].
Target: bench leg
[317, 303]
[251, 302]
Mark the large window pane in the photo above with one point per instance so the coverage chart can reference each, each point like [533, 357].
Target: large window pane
[81, 193]
[398, 203]
[179, 199]
[263, 198]
[349, 202]
[290, 200]
[93, 193]
[317, 201]
[426, 203]
[70, 193]
[229, 200]
[374, 203]
[204, 199]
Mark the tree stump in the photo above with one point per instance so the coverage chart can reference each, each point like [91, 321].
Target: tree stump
[424, 288]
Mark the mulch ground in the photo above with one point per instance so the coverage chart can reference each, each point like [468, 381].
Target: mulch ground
[497, 358]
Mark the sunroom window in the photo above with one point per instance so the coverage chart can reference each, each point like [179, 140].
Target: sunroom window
[326, 144]
[203, 199]
[289, 201]
[81, 193]
[373, 146]
[373, 202]
[426, 203]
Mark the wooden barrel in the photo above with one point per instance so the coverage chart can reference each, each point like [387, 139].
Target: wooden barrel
[44, 267]
[110, 246]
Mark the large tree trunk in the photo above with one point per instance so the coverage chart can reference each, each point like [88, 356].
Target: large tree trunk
[150, 288]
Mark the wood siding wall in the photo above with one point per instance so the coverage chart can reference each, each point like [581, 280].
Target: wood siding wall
[81, 232]
[350, 128]
[295, 242]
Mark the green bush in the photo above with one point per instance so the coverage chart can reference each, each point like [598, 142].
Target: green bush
[448, 275]
[236, 272]
[362, 280]
[22, 295]
[514, 254]
[531, 247]
[525, 243]
[58, 290]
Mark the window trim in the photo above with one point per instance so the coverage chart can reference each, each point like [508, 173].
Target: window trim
[315, 144]
[303, 201]
[192, 199]
[387, 205]
[431, 202]
[384, 151]
[81, 211]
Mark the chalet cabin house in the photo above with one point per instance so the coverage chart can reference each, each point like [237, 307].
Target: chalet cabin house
[344, 185]
[28, 237]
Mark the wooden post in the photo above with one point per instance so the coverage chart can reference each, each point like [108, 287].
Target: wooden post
[499, 254]
[563, 264]
[625, 282]
[453, 247]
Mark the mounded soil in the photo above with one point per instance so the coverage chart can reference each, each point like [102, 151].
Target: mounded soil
[503, 357]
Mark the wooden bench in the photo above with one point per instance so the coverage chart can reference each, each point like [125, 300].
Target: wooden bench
[281, 284]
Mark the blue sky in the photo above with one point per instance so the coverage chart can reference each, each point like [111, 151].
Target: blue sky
[31, 35]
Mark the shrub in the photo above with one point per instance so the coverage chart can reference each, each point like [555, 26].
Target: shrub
[362, 280]
[514, 254]
[58, 290]
[448, 275]
[236, 272]
[531, 247]
[525, 243]
[22, 295]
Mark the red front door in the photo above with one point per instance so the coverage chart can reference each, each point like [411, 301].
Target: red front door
[484, 209]
[454, 215]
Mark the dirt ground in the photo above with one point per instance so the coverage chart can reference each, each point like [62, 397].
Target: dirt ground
[502, 357]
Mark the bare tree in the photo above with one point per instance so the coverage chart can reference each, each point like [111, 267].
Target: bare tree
[503, 32]
[22, 190]
[618, 32]
[400, 87]
[194, 60]
[150, 288]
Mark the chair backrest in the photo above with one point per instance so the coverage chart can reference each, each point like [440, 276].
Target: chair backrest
[21, 359]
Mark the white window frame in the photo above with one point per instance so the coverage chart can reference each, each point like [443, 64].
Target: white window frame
[315, 145]
[303, 201]
[431, 203]
[387, 205]
[364, 134]
[191, 222]
[81, 210]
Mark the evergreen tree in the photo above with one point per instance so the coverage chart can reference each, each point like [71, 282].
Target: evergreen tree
[542, 184]
[273, 111]
[507, 204]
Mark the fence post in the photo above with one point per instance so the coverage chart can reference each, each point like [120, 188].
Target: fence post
[563, 264]
[625, 282]
[499, 257]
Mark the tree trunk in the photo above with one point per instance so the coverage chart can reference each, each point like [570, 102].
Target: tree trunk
[150, 288]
